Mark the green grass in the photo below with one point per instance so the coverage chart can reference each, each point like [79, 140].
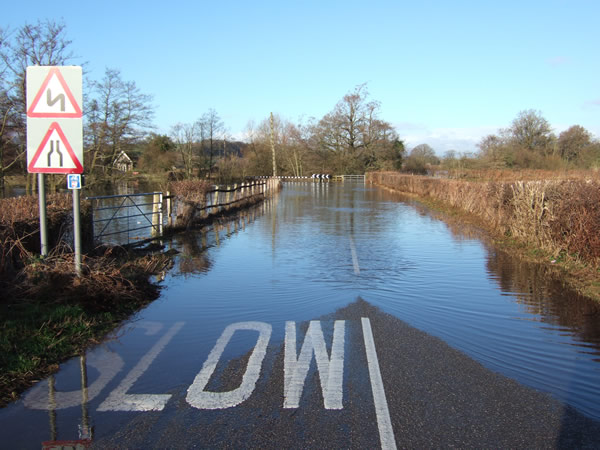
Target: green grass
[48, 315]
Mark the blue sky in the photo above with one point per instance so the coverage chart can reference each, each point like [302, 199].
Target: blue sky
[446, 72]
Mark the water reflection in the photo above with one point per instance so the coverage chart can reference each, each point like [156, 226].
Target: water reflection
[84, 428]
[317, 247]
[538, 331]
[193, 246]
[542, 295]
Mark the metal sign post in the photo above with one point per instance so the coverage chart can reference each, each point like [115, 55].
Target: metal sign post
[42, 202]
[55, 135]
[74, 184]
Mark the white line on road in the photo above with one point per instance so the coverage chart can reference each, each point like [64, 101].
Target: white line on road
[108, 365]
[120, 400]
[354, 257]
[200, 398]
[384, 423]
[331, 370]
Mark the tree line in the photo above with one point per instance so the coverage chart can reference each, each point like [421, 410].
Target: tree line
[116, 114]
[351, 138]
[118, 118]
[529, 142]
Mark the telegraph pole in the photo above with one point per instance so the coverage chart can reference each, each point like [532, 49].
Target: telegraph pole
[273, 147]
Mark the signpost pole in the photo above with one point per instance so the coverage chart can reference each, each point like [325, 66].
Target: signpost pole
[55, 136]
[42, 202]
[77, 230]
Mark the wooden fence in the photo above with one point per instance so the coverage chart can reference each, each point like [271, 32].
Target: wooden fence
[183, 213]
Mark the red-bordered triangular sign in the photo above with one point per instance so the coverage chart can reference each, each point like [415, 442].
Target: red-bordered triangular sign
[54, 99]
[51, 157]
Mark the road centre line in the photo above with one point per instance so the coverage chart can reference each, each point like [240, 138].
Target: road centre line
[354, 257]
[384, 423]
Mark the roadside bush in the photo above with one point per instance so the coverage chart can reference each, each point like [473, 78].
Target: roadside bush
[20, 227]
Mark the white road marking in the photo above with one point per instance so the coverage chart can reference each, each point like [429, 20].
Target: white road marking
[331, 371]
[384, 423]
[199, 398]
[119, 400]
[151, 327]
[108, 364]
[354, 257]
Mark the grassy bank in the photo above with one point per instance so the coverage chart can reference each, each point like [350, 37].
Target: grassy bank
[47, 314]
[556, 221]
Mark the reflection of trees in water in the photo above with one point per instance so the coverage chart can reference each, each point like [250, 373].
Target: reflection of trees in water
[193, 258]
[538, 289]
[192, 245]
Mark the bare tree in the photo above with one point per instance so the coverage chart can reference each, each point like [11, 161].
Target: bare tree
[118, 116]
[353, 133]
[573, 141]
[185, 136]
[532, 132]
[213, 127]
[43, 44]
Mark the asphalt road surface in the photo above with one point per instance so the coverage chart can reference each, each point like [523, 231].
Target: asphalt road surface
[359, 378]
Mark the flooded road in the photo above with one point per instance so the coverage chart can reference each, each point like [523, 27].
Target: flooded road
[305, 256]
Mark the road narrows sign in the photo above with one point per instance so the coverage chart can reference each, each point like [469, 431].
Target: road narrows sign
[54, 99]
[55, 154]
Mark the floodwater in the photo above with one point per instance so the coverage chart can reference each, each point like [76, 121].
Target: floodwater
[316, 247]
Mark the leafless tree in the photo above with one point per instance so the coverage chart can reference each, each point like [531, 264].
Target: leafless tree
[213, 127]
[572, 142]
[532, 132]
[185, 136]
[43, 44]
[353, 132]
[118, 116]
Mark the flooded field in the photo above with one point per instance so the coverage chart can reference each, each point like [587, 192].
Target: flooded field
[311, 250]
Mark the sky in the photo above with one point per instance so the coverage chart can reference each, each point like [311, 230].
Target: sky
[446, 73]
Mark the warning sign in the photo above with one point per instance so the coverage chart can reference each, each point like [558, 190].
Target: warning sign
[54, 99]
[54, 119]
[55, 154]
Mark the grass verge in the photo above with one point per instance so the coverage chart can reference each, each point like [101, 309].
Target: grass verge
[49, 314]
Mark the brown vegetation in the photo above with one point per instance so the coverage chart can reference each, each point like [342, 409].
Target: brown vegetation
[559, 216]
[48, 313]
[486, 174]
[20, 227]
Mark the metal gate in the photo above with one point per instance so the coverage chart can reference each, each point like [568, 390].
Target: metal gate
[123, 219]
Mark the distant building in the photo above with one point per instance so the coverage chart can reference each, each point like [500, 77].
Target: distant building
[123, 162]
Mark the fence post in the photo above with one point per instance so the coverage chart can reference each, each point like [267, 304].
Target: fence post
[235, 192]
[227, 197]
[155, 214]
[216, 200]
[160, 213]
[169, 209]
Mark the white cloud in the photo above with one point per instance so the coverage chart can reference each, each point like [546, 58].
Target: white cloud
[592, 104]
[558, 61]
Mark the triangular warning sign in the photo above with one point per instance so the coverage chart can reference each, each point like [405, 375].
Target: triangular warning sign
[55, 154]
[54, 99]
